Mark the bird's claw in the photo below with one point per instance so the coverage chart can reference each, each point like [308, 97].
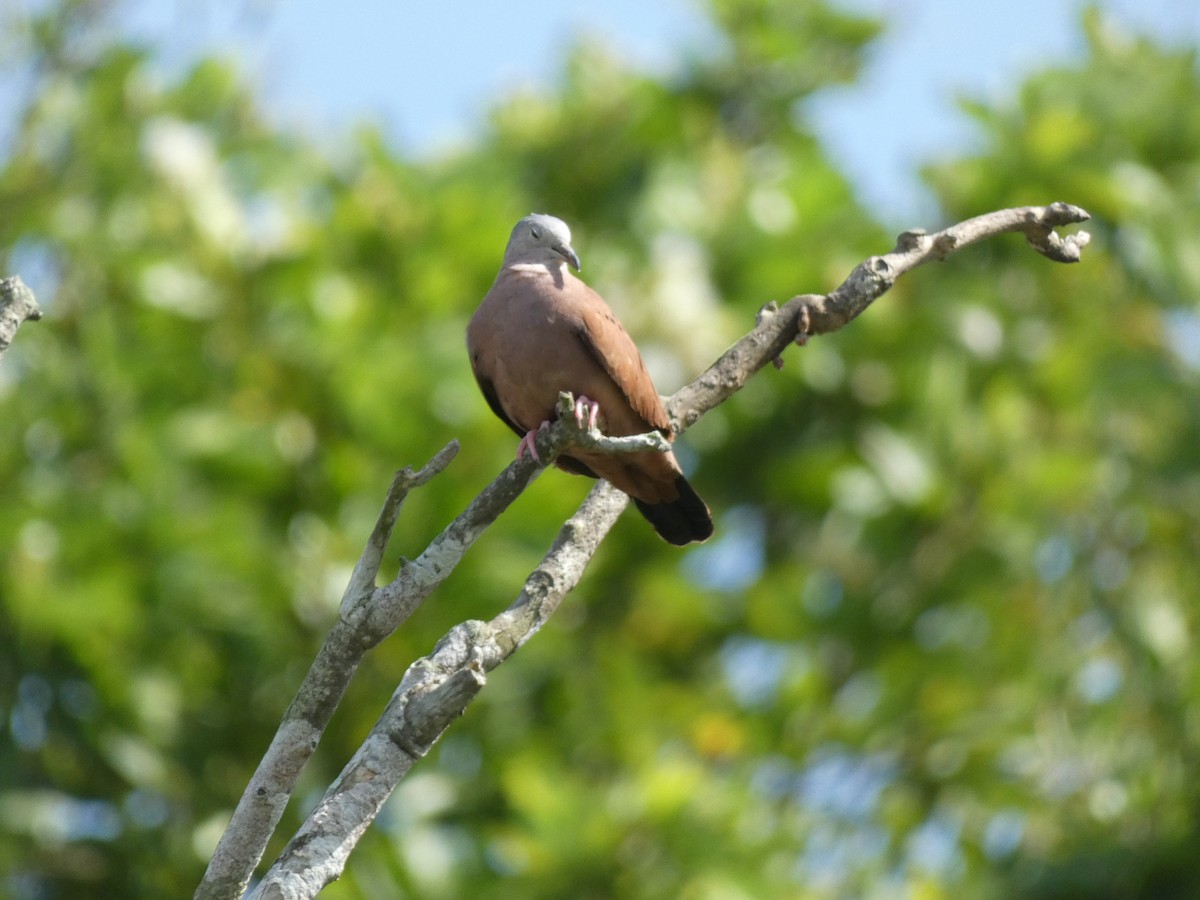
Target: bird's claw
[529, 443]
[586, 409]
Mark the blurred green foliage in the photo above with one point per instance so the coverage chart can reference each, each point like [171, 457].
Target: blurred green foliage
[940, 646]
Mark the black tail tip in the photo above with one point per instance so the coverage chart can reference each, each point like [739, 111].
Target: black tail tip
[681, 521]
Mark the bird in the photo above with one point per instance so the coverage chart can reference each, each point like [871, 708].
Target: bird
[540, 331]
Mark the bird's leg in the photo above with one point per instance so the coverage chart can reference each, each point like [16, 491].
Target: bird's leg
[586, 409]
[529, 443]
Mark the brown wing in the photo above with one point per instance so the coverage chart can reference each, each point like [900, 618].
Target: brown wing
[607, 341]
[493, 399]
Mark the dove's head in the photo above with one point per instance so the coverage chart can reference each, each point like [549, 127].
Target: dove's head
[540, 239]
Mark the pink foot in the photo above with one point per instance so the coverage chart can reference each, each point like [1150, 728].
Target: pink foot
[529, 443]
[586, 409]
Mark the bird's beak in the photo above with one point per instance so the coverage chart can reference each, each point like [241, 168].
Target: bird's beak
[567, 253]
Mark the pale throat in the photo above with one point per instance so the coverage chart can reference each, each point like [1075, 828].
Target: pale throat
[553, 264]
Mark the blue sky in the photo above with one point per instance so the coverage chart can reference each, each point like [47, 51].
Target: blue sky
[427, 72]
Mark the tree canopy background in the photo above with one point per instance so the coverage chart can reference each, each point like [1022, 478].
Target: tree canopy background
[939, 647]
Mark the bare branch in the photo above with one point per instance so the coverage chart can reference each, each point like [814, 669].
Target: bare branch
[17, 304]
[266, 796]
[434, 692]
[437, 689]
[368, 614]
[813, 314]
[362, 580]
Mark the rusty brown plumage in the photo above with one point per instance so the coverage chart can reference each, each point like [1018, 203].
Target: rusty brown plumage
[539, 331]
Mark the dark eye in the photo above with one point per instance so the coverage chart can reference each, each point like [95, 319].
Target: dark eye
[536, 232]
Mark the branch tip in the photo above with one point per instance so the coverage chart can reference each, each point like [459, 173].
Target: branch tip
[438, 463]
[17, 305]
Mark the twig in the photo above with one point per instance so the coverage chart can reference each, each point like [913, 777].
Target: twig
[813, 314]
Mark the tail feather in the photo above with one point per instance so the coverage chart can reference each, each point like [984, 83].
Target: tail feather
[680, 521]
